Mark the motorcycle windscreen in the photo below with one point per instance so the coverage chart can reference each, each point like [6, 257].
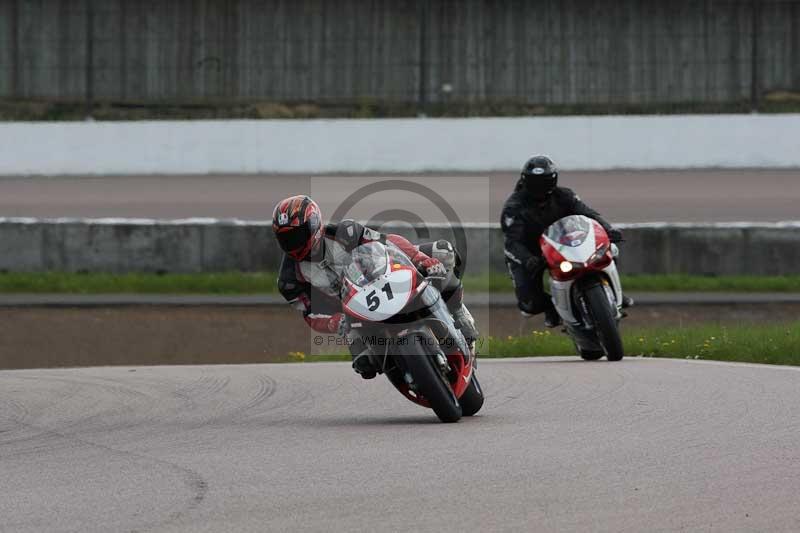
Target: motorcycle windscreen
[573, 237]
[368, 262]
[570, 231]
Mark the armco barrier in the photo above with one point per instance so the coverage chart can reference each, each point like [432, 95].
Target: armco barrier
[210, 245]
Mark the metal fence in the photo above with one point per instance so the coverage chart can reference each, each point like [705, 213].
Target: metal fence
[422, 52]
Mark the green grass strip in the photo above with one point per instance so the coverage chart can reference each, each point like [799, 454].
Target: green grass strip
[754, 343]
[662, 283]
[265, 283]
[222, 283]
[767, 344]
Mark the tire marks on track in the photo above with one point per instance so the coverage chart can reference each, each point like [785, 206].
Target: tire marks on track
[238, 447]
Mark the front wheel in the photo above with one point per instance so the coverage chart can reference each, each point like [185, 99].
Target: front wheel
[605, 322]
[429, 381]
[472, 399]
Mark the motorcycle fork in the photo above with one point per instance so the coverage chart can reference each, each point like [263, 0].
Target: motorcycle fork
[583, 334]
[586, 317]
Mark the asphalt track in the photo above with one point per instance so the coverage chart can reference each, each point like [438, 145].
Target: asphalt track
[622, 196]
[561, 445]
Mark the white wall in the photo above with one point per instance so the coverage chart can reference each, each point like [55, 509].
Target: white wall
[398, 145]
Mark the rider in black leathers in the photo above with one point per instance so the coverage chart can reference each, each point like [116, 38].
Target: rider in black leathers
[535, 204]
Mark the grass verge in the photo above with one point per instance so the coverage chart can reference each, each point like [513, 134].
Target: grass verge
[663, 283]
[777, 344]
[265, 283]
[767, 344]
[770, 344]
[58, 282]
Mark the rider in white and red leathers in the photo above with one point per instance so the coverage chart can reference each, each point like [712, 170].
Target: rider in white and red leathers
[311, 271]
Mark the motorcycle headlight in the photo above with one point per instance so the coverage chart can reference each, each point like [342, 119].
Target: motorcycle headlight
[565, 266]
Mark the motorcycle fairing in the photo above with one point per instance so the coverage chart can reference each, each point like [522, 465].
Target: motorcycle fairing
[377, 290]
[382, 298]
[561, 294]
[570, 244]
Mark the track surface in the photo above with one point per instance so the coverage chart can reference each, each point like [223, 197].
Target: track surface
[622, 196]
[561, 445]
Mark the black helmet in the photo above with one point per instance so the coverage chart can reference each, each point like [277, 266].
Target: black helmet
[539, 177]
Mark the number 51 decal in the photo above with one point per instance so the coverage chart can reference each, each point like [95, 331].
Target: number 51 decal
[374, 302]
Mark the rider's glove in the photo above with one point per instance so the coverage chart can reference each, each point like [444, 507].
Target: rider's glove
[433, 268]
[614, 235]
[534, 263]
[338, 324]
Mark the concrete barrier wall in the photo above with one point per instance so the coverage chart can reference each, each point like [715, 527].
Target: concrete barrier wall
[397, 145]
[204, 245]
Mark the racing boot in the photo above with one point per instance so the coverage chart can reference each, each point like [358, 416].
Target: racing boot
[360, 352]
[363, 366]
[551, 318]
[466, 324]
[627, 302]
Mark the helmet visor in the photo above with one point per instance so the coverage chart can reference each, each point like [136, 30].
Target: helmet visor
[294, 238]
[540, 186]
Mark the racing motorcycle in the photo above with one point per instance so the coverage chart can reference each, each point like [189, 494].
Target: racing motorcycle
[402, 317]
[584, 285]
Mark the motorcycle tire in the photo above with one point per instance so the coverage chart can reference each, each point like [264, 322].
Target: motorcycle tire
[472, 399]
[588, 355]
[431, 384]
[605, 322]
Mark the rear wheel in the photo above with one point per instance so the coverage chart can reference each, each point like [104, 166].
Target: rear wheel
[605, 322]
[428, 379]
[472, 399]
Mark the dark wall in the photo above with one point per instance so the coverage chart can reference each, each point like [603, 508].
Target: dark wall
[545, 51]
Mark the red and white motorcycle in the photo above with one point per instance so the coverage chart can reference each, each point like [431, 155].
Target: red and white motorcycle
[585, 285]
[413, 339]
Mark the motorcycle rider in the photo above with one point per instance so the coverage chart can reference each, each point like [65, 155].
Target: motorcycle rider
[315, 254]
[536, 203]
